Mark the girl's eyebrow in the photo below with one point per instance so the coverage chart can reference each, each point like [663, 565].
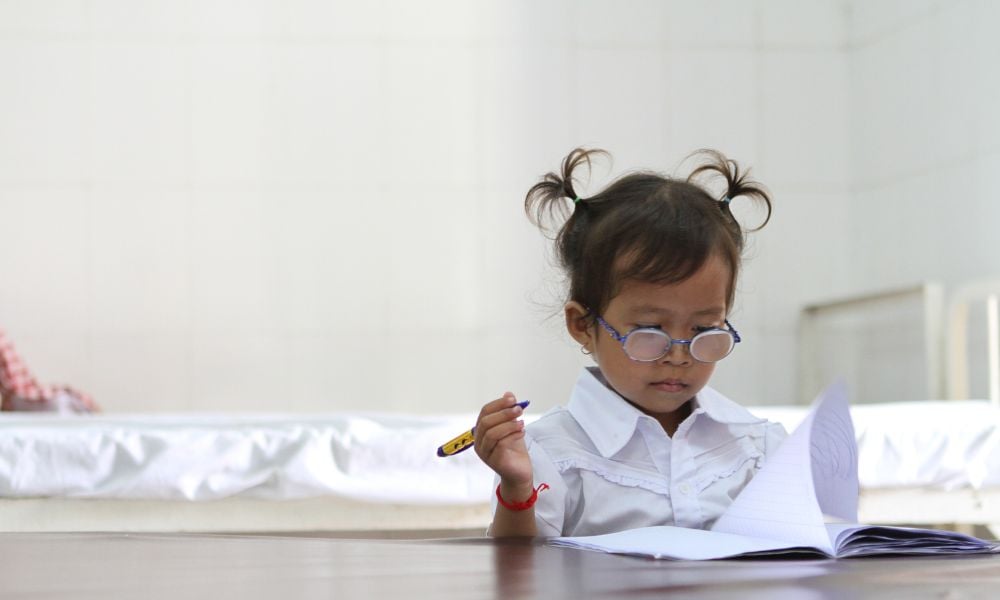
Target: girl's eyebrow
[649, 310]
[656, 310]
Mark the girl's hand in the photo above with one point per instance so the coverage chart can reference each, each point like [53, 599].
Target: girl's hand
[500, 442]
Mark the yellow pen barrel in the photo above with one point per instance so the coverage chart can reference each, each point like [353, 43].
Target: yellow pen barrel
[456, 445]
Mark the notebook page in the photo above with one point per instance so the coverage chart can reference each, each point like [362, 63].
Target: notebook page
[834, 457]
[781, 502]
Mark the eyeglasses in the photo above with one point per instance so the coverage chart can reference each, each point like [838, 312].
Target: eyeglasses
[647, 344]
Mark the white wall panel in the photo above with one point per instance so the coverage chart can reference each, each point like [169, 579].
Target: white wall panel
[137, 21]
[613, 82]
[325, 20]
[637, 23]
[985, 81]
[233, 138]
[714, 102]
[238, 369]
[712, 23]
[921, 84]
[878, 18]
[140, 259]
[528, 109]
[803, 23]
[140, 115]
[45, 120]
[58, 17]
[318, 206]
[896, 103]
[140, 371]
[328, 114]
[430, 270]
[434, 21]
[233, 18]
[428, 120]
[231, 261]
[45, 263]
[329, 249]
[804, 118]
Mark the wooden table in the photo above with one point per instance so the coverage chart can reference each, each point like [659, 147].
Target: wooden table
[88, 565]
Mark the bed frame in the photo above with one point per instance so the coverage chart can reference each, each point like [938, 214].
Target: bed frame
[963, 299]
[930, 295]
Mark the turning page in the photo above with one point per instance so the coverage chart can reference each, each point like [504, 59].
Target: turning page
[811, 478]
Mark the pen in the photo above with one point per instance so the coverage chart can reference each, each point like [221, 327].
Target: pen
[467, 439]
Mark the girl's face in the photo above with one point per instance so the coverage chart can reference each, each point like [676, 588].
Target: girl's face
[663, 387]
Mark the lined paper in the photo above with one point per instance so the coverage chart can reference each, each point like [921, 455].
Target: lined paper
[814, 473]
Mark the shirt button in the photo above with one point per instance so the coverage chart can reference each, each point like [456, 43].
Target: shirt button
[685, 488]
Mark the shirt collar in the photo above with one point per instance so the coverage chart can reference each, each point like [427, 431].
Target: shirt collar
[610, 422]
[605, 416]
[723, 410]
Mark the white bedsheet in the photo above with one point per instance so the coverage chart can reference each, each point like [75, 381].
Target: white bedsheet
[391, 458]
[380, 458]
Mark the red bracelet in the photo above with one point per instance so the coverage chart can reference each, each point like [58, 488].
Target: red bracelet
[522, 505]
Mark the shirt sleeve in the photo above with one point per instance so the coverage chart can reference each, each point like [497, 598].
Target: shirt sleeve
[550, 508]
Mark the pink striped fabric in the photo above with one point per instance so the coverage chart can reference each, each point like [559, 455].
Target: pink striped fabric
[21, 391]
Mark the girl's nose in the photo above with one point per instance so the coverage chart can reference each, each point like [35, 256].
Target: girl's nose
[679, 354]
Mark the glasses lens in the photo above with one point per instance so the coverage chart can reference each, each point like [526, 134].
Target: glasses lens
[647, 344]
[710, 346]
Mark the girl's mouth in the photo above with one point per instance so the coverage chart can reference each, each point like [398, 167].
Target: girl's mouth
[669, 385]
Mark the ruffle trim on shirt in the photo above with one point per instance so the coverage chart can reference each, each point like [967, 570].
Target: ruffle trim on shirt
[621, 479]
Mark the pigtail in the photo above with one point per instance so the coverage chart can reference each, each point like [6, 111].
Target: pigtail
[546, 202]
[738, 183]
[552, 204]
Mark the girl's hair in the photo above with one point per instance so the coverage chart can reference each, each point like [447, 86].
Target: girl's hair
[643, 226]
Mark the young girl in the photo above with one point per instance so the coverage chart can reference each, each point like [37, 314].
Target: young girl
[652, 264]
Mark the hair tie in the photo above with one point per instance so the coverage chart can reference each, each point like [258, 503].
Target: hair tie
[576, 200]
[725, 200]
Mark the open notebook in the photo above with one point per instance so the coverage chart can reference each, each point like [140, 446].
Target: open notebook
[803, 501]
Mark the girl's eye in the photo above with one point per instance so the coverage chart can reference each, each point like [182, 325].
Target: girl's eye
[640, 326]
[700, 329]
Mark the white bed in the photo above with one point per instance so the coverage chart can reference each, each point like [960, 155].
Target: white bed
[237, 473]
[370, 473]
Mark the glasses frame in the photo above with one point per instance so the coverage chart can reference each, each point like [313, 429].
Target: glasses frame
[671, 341]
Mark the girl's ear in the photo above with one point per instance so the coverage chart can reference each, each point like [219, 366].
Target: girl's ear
[579, 326]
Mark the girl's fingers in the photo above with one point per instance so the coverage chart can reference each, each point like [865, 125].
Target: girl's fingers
[487, 442]
[500, 413]
[505, 401]
[489, 438]
[498, 430]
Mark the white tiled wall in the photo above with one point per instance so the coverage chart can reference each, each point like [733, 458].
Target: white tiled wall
[925, 143]
[310, 205]
[924, 148]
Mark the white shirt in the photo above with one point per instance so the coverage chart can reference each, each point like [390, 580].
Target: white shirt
[611, 467]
